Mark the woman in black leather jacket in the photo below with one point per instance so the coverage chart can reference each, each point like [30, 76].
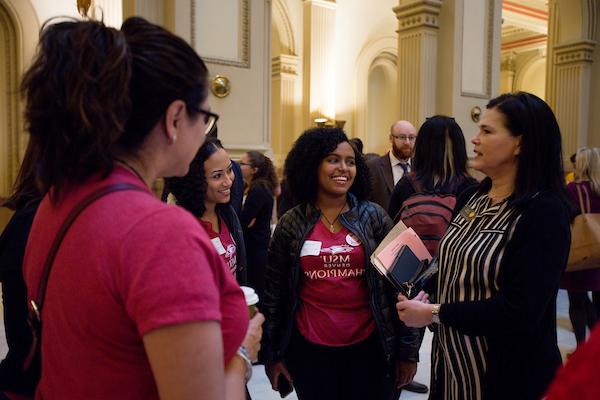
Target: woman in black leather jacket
[206, 192]
[330, 324]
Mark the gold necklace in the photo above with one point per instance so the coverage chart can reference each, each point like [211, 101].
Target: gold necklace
[331, 224]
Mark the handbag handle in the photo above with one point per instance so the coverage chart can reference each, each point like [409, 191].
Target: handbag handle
[35, 305]
[581, 188]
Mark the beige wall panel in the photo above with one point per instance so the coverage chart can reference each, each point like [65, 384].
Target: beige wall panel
[46, 9]
[245, 122]
[474, 79]
[452, 14]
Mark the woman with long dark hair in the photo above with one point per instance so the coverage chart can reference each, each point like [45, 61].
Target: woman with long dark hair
[206, 192]
[500, 262]
[137, 303]
[261, 182]
[331, 326]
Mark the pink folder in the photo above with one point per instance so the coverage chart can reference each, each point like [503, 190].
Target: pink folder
[407, 237]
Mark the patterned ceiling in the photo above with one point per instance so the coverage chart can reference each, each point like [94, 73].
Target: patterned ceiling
[524, 24]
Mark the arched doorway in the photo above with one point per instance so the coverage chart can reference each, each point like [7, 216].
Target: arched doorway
[19, 29]
[382, 102]
[9, 134]
[524, 46]
[376, 100]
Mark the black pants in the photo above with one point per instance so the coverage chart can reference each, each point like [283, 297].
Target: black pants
[356, 372]
[583, 312]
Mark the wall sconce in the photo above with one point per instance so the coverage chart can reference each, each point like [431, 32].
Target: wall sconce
[320, 122]
[475, 114]
[220, 86]
[325, 122]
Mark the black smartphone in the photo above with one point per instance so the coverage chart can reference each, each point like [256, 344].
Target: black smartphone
[284, 386]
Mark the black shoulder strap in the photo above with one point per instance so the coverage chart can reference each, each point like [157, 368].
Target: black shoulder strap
[82, 205]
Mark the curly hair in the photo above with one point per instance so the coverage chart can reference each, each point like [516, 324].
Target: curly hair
[265, 171]
[302, 164]
[189, 190]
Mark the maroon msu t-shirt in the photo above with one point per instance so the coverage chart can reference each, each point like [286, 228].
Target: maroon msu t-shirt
[334, 298]
[223, 243]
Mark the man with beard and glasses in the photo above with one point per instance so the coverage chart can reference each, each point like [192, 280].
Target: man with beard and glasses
[387, 170]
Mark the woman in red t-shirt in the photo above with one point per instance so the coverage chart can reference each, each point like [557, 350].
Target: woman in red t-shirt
[206, 192]
[330, 325]
[137, 304]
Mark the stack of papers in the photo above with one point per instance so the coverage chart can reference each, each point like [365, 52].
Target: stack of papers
[385, 254]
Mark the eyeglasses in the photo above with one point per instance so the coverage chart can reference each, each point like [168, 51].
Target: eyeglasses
[210, 120]
[404, 138]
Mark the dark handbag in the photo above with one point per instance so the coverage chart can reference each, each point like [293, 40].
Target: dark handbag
[34, 317]
[409, 274]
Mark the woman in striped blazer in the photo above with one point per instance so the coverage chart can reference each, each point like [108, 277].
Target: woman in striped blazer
[494, 309]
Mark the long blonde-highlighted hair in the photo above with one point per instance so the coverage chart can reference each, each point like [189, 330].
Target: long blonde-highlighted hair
[587, 167]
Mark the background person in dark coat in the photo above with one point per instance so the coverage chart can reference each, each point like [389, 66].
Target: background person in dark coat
[24, 201]
[257, 211]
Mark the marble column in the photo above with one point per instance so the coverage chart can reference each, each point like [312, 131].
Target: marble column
[283, 111]
[318, 60]
[507, 73]
[571, 96]
[418, 23]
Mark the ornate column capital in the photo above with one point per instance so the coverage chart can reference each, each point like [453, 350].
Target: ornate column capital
[284, 64]
[574, 52]
[507, 62]
[418, 14]
[322, 3]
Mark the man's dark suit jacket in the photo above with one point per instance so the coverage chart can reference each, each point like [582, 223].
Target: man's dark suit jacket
[382, 180]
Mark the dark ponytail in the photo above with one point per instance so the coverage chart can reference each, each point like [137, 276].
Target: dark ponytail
[165, 69]
[76, 99]
[92, 90]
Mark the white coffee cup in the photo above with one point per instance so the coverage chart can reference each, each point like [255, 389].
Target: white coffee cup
[251, 299]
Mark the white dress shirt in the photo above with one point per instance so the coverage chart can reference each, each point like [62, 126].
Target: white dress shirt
[397, 169]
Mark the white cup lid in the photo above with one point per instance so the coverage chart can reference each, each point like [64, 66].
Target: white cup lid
[250, 295]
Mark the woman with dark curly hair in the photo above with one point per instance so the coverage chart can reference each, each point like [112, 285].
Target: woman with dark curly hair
[261, 181]
[206, 192]
[331, 326]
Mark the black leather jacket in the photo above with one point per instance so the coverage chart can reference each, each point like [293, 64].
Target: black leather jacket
[370, 224]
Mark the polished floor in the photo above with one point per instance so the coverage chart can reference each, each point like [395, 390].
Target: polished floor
[260, 388]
